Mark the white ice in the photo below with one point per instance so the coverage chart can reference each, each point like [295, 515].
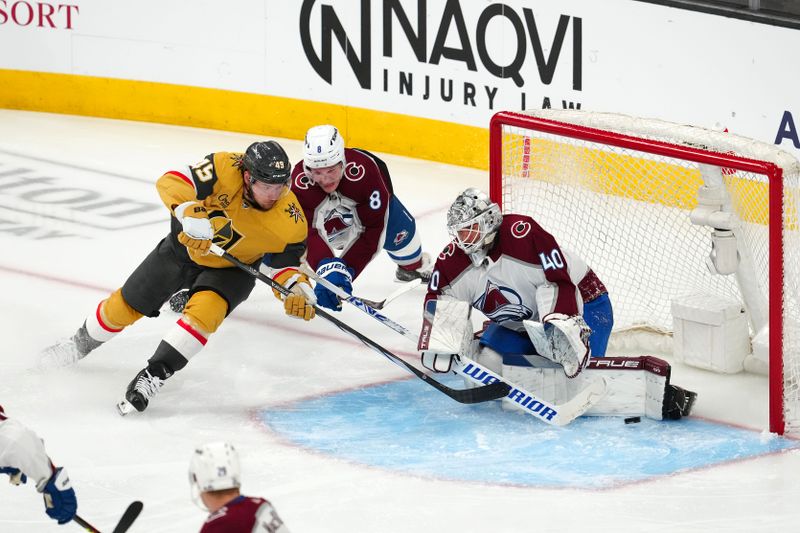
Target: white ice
[260, 358]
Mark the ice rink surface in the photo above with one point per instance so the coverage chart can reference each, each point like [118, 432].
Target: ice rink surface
[339, 439]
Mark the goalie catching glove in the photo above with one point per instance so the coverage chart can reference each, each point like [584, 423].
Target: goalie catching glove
[197, 231]
[300, 303]
[562, 339]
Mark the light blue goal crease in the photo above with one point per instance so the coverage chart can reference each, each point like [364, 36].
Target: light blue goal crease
[408, 427]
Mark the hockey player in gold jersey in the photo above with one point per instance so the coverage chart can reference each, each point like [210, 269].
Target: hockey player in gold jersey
[240, 202]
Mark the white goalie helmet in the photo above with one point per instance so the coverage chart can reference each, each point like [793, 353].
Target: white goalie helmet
[214, 466]
[324, 147]
[472, 221]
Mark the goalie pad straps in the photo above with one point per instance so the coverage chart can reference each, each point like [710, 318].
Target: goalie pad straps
[446, 332]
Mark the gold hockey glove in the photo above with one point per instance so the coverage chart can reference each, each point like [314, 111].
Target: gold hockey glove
[298, 306]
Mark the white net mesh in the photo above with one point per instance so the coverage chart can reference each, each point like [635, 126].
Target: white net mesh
[626, 211]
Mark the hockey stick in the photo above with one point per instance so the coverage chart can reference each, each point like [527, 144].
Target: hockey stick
[407, 286]
[485, 393]
[550, 413]
[128, 517]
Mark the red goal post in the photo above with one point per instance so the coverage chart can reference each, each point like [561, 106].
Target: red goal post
[620, 190]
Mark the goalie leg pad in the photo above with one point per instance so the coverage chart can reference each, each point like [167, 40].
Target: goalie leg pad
[636, 386]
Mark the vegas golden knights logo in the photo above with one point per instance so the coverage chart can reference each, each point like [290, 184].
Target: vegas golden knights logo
[225, 235]
[295, 212]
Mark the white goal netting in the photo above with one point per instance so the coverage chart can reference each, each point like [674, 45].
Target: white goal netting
[619, 191]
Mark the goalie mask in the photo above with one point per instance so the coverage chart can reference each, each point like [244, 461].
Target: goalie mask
[214, 466]
[472, 221]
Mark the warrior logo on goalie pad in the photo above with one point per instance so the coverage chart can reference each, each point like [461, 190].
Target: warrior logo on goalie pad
[502, 303]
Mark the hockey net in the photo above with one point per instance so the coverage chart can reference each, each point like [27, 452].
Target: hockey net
[619, 190]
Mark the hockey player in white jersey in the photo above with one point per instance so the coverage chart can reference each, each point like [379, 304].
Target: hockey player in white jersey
[547, 310]
[22, 456]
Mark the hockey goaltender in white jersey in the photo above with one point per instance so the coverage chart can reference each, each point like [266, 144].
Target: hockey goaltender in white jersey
[547, 310]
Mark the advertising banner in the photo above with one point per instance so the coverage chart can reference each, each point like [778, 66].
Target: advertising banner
[442, 61]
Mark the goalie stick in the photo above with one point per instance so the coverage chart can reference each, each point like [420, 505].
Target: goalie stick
[484, 393]
[550, 413]
[125, 522]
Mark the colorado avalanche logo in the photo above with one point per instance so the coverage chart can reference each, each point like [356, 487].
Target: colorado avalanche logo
[337, 222]
[400, 237]
[302, 181]
[502, 303]
[354, 172]
[449, 250]
[520, 229]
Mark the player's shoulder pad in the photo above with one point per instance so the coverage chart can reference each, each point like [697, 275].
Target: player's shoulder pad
[451, 262]
[204, 176]
[228, 168]
[522, 237]
[361, 163]
[517, 225]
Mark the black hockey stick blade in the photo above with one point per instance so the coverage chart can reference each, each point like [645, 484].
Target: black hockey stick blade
[129, 517]
[485, 393]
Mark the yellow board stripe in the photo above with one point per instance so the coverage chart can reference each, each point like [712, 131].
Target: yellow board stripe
[290, 118]
[243, 112]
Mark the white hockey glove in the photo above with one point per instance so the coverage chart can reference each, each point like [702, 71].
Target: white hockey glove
[445, 334]
[197, 231]
[562, 339]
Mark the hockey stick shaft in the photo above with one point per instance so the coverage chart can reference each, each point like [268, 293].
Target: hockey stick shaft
[84, 524]
[548, 412]
[476, 395]
[407, 286]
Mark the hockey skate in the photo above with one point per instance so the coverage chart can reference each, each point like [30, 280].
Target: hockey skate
[143, 388]
[69, 351]
[678, 402]
[423, 272]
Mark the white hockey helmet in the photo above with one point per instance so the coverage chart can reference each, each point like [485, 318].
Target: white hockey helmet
[215, 466]
[324, 147]
[474, 210]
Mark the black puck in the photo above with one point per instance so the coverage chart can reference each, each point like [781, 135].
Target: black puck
[633, 420]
